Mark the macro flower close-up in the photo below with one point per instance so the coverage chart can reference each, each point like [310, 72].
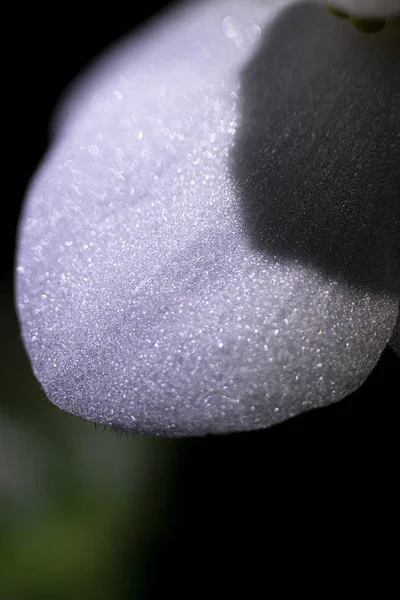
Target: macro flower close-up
[211, 243]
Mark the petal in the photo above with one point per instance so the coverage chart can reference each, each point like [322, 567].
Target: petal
[211, 244]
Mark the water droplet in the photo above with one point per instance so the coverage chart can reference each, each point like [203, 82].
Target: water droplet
[229, 27]
[93, 149]
[253, 32]
[138, 134]
[31, 222]
[21, 269]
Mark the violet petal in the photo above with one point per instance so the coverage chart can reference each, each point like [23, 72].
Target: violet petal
[176, 273]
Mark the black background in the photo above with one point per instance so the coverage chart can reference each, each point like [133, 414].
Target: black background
[245, 506]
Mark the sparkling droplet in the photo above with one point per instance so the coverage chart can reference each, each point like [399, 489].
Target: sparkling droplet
[253, 32]
[229, 27]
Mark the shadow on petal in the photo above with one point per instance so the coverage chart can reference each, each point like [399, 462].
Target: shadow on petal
[317, 155]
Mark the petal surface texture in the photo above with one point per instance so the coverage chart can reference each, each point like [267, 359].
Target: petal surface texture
[211, 244]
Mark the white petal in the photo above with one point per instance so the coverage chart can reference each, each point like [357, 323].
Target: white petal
[211, 243]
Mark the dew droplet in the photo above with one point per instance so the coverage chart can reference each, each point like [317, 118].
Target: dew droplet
[253, 32]
[229, 27]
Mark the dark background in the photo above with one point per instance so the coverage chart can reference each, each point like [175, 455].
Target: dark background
[87, 514]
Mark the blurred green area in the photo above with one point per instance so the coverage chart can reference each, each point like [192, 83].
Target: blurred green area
[80, 507]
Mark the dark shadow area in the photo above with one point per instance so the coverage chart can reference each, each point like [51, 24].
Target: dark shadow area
[317, 154]
[265, 508]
